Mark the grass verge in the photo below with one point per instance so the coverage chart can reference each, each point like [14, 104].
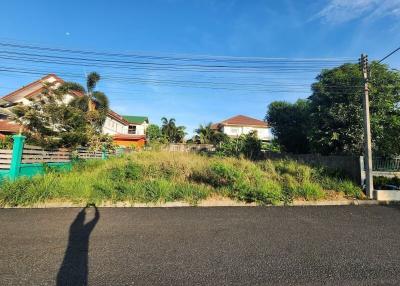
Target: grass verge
[159, 177]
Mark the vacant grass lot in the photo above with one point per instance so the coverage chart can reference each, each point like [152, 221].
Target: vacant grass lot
[162, 177]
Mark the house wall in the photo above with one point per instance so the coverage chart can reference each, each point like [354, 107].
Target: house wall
[66, 99]
[262, 133]
[128, 143]
[112, 126]
[141, 129]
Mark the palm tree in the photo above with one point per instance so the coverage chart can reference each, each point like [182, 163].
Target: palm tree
[168, 127]
[92, 101]
[179, 134]
[208, 135]
[172, 132]
[205, 133]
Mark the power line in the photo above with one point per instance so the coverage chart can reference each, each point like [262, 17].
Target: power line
[190, 83]
[391, 53]
[191, 57]
[164, 67]
[47, 58]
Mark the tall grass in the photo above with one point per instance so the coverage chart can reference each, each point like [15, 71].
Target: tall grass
[162, 177]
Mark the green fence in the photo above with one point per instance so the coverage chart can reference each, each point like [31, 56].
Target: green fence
[386, 164]
[26, 160]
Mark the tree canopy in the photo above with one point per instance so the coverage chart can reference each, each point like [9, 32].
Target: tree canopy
[173, 133]
[207, 135]
[289, 124]
[94, 103]
[49, 121]
[330, 121]
[153, 132]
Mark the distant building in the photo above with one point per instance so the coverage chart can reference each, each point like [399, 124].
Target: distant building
[126, 130]
[240, 124]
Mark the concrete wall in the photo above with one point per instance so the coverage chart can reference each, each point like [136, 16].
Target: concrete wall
[182, 147]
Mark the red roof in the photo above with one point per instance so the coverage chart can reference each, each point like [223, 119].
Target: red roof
[32, 84]
[128, 137]
[241, 120]
[40, 88]
[117, 117]
[9, 126]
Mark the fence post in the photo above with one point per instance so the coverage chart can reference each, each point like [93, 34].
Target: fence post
[18, 147]
[104, 153]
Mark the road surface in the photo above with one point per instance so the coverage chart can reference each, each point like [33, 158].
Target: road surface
[350, 245]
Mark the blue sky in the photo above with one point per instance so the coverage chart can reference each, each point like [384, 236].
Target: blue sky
[284, 29]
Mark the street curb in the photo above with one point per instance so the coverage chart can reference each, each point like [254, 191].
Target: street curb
[206, 204]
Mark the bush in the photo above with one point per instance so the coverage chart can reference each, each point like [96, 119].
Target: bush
[6, 142]
[311, 191]
[247, 145]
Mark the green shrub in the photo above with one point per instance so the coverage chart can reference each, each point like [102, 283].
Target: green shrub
[349, 189]
[190, 193]
[310, 191]
[217, 174]
[269, 192]
[13, 193]
[247, 145]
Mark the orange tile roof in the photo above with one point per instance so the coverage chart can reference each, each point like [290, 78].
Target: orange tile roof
[241, 120]
[9, 126]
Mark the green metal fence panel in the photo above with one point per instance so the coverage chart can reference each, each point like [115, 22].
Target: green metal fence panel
[18, 147]
[386, 164]
[27, 161]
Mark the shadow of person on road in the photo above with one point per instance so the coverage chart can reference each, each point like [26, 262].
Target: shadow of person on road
[74, 268]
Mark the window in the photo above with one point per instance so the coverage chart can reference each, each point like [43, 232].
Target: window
[132, 129]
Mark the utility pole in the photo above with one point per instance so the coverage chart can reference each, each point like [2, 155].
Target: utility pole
[367, 129]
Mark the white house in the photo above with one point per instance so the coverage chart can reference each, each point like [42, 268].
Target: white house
[240, 124]
[126, 130]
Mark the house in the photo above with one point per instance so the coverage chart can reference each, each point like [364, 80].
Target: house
[240, 124]
[137, 124]
[125, 132]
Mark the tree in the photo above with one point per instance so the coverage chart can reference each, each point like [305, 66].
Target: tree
[49, 122]
[247, 145]
[331, 120]
[207, 135]
[94, 103]
[251, 146]
[290, 124]
[336, 115]
[153, 132]
[173, 133]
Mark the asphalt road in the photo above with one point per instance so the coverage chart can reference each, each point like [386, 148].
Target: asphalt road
[201, 246]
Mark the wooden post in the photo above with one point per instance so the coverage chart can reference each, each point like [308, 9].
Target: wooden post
[18, 147]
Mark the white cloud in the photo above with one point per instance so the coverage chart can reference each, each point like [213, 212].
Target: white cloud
[341, 11]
